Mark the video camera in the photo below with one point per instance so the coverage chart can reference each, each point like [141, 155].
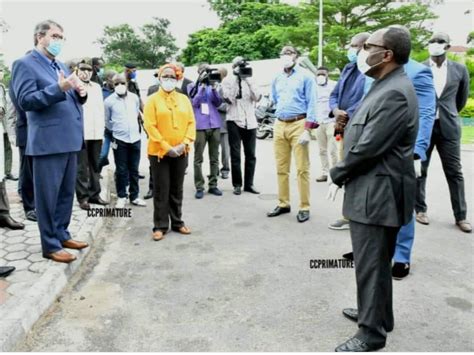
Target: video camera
[243, 69]
[210, 76]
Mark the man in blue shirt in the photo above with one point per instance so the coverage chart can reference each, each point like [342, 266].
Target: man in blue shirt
[294, 93]
[122, 111]
[345, 99]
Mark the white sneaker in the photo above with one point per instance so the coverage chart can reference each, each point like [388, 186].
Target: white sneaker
[121, 201]
[139, 202]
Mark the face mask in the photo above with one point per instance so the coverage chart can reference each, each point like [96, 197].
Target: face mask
[362, 61]
[132, 75]
[436, 49]
[168, 84]
[321, 80]
[120, 89]
[54, 48]
[352, 54]
[286, 61]
[100, 72]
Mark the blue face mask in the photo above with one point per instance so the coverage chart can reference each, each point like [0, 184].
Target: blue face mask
[54, 48]
[132, 75]
[352, 55]
[100, 73]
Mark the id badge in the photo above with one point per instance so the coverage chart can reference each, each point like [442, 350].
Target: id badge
[205, 109]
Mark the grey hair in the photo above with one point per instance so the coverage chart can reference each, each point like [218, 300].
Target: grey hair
[43, 27]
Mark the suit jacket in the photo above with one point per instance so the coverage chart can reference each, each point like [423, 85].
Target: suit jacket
[452, 100]
[377, 169]
[355, 92]
[21, 126]
[184, 87]
[55, 119]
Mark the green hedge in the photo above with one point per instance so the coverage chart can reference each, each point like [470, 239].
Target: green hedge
[468, 110]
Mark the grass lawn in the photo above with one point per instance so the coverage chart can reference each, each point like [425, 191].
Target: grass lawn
[467, 135]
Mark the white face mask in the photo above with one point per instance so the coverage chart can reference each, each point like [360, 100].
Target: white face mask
[120, 89]
[362, 61]
[287, 61]
[168, 85]
[436, 49]
[321, 80]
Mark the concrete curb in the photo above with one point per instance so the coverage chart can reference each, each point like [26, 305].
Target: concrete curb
[22, 314]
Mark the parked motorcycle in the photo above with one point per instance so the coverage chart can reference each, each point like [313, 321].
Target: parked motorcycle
[265, 114]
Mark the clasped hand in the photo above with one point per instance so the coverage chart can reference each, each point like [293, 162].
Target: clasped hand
[176, 151]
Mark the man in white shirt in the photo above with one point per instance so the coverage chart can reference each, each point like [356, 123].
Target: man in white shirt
[325, 133]
[122, 110]
[451, 81]
[240, 94]
[88, 177]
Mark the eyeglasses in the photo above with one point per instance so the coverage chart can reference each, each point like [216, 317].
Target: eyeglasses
[168, 77]
[85, 69]
[440, 41]
[287, 53]
[368, 45]
[119, 83]
[58, 37]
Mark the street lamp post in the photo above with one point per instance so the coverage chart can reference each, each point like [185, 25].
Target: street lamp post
[320, 43]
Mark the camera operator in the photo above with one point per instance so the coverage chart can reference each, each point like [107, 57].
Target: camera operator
[240, 94]
[205, 100]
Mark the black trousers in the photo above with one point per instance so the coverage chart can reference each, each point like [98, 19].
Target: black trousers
[248, 138]
[88, 171]
[168, 178]
[25, 181]
[4, 205]
[450, 154]
[373, 248]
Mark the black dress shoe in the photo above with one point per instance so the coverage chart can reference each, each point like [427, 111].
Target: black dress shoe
[148, 195]
[11, 177]
[98, 201]
[84, 205]
[7, 221]
[251, 189]
[351, 313]
[348, 256]
[400, 270]
[31, 216]
[302, 216]
[6, 270]
[278, 211]
[356, 345]
[237, 190]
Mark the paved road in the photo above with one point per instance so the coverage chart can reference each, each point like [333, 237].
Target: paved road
[242, 282]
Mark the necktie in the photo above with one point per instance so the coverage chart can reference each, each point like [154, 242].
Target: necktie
[55, 66]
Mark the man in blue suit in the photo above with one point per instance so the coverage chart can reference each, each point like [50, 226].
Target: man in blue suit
[422, 80]
[51, 99]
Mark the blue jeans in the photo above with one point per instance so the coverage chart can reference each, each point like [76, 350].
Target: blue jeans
[405, 239]
[127, 160]
[104, 153]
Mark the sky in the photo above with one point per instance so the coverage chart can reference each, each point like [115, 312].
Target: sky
[84, 21]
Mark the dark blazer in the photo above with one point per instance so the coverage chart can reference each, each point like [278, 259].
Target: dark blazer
[377, 169]
[183, 89]
[452, 99]
[55, 120]
[21, 125]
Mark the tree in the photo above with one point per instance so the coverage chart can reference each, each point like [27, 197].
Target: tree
[257, 33]
[259, 29]
[228, 10]
[149, 48]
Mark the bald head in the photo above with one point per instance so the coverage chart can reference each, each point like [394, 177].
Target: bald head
[359, 39]
[440, 36]
[402, 28]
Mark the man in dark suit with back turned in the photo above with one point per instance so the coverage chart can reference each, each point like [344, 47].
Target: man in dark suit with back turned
[52, 99]
[451, 82]
[379, 178]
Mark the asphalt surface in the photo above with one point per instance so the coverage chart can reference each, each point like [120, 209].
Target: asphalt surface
[242, 281]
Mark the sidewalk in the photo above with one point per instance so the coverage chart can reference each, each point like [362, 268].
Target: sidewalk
[31, 289]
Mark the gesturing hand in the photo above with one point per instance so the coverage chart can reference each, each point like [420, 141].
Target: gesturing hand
[64, 83]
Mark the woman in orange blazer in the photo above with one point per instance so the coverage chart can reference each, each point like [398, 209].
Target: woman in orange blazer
[169, 122]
